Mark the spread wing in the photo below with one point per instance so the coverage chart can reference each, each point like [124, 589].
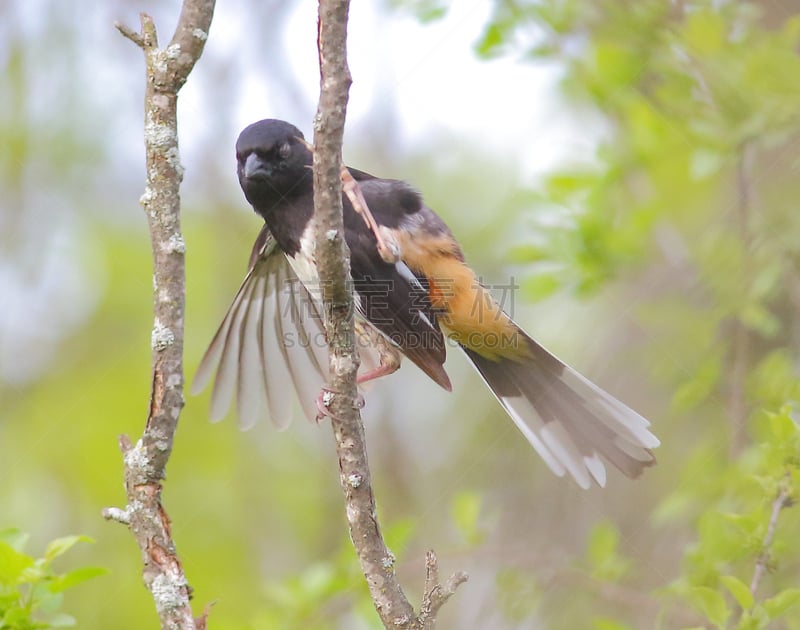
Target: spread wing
[271, 343]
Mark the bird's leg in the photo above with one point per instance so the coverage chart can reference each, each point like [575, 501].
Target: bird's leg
[388, 354]
[390, 358]
[381, 370]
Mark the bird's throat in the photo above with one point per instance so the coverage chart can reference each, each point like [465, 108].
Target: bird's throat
[288, 222]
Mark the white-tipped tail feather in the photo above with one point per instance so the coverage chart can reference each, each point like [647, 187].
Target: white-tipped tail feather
[570, 421]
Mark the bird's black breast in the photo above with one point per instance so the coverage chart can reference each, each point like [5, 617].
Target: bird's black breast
[288, 221]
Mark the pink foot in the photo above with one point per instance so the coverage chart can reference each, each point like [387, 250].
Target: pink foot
[324, 402]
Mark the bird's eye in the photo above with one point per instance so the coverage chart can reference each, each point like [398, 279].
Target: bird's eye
[284, 150]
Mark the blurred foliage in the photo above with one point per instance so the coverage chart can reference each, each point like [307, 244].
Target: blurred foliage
[31, 592]
[668, 254]
[689, 205]
[424, 10]
[746, 525]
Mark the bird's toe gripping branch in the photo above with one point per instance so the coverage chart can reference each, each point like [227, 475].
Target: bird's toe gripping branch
[325, 399]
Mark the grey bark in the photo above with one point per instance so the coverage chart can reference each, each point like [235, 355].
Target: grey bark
[145, 462]
[332, 258]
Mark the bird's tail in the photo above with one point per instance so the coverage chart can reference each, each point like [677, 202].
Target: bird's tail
[570, 421]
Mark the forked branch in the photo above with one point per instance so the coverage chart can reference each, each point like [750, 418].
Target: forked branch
[166, 71]
[332, 257]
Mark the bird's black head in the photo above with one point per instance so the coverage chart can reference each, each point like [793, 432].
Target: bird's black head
[272, 163]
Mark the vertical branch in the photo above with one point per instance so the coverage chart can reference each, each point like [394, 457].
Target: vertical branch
[166, 71]
[741, 339]
[333, 263]
[332, 258]
[781, 501]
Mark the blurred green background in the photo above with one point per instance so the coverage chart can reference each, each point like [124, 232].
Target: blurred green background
[632, 166]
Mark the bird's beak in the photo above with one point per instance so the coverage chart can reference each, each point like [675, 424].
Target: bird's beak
[256, 168]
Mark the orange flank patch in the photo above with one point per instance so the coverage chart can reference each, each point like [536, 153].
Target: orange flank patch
[470, 314]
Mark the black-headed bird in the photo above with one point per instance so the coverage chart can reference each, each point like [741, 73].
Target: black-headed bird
[272, 340]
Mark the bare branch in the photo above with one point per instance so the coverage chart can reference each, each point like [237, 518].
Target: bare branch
[332, 258]
[132, 35]
[117, 514]
[781, 501]
[436, 594]
[738, 409]
[145, 463]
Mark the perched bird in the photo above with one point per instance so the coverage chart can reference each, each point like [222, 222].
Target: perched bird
[272, 339]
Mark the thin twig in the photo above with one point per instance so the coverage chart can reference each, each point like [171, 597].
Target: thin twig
[781, 501]
[145, 462]
[332, 258]
[436, 594]
[130, 34]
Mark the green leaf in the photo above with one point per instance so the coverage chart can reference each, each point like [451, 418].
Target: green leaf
[465, 510]
[399, 533]
[491, 41]
[739, 590]
[759, 319]
[73, 578]
[711, 603]
[517, 594]
[541, 286]
[527, 254]
[45, 601]
[14, 537]
[782, 426]
[782, 602]
[603, 542]
[12, 564]
[316, 580]
[705, 163]
[37, 572]
[754, 619]
[602, 553]
[700, 386]
[59, 546]
[705, 32]
[16, 618]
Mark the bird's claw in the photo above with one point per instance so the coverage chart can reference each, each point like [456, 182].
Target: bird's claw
[325, 399]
